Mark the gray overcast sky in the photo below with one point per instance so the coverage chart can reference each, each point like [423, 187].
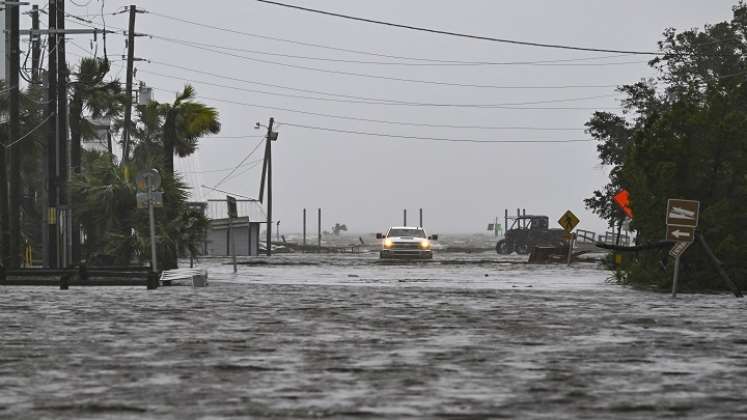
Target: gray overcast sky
[365, 182]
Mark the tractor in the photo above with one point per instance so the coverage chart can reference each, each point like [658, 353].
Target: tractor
[527, 232]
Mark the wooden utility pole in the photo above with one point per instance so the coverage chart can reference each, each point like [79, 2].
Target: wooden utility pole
[52, 235]
[404, 217]
[35, 45]
[128, 88]
[267, 174]
[12, 51]
[421, 218]
[62, 136]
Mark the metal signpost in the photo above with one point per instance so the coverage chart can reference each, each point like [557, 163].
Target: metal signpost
[147, 183]
[232, 214]
[682, 219]
[569, 221]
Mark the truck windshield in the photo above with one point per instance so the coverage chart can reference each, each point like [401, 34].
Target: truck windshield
[416, 233]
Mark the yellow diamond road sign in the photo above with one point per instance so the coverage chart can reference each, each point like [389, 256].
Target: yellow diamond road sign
[569, 221]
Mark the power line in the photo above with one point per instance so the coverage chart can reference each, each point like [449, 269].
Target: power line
[378, 121]
[365, 75]
[32, 131]
[376, 101]
[225, 178]
[329, 47]
[435, 139]
[555, 63]
[457, 34]
[252, 164]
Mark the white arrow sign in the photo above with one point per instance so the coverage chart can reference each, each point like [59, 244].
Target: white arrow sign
[680, 234]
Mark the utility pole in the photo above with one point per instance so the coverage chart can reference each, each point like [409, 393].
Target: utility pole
[52, 234]
[128, 99]
[62, 135]
[319, 230]
[404, 216]
[35, 45]
[12, 51]
[267, 169]
[421, 218]
[75, 154]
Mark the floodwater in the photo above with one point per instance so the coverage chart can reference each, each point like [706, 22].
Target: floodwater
[464, 337]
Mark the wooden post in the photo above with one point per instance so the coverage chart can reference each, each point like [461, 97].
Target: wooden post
[233, 243]
[319, 228]
[303, 248]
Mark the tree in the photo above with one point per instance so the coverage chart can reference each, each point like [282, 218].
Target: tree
[186, 121]
[682, 135]
[92, 95]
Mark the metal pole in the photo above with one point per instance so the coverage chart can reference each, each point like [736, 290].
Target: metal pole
[303, 249]
[570, 247]
[421, 218]
[319, 230]
[128, 97]
[405, 217]
[152, 220]
[676, 276]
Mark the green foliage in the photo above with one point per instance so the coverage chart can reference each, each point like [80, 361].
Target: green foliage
[682, 135]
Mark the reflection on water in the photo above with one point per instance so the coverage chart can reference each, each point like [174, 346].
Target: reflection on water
[359, 339]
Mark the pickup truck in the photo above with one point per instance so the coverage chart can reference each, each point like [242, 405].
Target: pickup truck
[406, 242]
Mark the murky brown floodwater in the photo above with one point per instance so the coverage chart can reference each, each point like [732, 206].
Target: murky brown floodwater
[357, 339]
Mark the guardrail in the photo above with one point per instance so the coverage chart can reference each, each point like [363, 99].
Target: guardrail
[80, 276]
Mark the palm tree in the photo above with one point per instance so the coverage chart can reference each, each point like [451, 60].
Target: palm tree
[186, 121]
[90, 92]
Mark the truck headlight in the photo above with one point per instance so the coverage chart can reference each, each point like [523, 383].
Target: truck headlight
[425, 244]
[388, 243]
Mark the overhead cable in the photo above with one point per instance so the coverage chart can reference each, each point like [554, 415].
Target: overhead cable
[388, 102]
[328, 47]
[419, 138]
[460, 35]
[379, 121]
[367, 75]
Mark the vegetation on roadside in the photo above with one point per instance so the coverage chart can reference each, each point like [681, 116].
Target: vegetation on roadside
[103, 193]
[683, 134]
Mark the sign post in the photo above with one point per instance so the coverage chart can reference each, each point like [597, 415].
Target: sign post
[232, 214]
[569, 221]
[682, 220]
[147, 183]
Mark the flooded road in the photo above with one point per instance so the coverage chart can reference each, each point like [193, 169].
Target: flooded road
[468, 336]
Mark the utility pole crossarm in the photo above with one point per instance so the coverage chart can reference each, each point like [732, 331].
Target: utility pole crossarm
[64, 31]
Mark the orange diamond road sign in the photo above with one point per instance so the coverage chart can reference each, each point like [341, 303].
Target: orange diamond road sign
[569, 221]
